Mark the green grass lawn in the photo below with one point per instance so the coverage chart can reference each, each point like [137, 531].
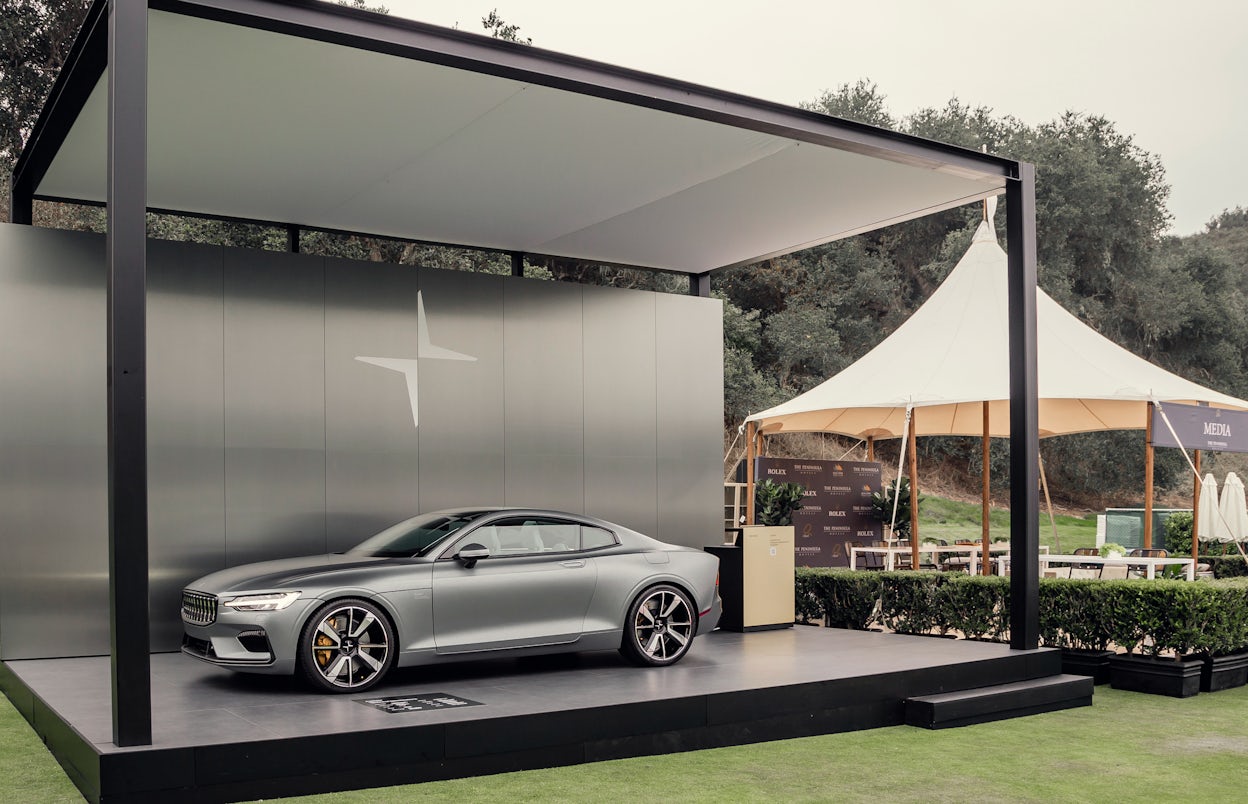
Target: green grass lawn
[1126, 747]
[940, 518]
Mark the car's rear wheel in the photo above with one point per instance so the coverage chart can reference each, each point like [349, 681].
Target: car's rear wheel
[660, 626]
[346, 646]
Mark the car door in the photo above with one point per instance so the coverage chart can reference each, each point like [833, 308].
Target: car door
[533, 589]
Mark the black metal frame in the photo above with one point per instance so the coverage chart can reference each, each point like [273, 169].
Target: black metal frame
[1020, 228]
[127, 372]
[115, 33]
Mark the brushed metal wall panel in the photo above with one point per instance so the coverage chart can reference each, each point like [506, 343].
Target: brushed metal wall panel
[371, 443]
[461, 403]
[690, 410]
[620, 413]
[544, 378]
[274, 405]
[53, 444]
[185, 426]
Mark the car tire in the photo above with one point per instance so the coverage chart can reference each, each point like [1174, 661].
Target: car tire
[660, 627]
[346, 646]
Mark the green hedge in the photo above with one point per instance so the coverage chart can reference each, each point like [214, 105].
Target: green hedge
[1156, 617]
[1226, 566]
[908, 601]
[976, 605]
[842, 599]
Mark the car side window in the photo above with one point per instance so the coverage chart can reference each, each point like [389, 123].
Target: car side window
[522, 536]
[593, 538]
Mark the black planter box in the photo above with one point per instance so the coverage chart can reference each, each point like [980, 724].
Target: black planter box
[1178, 678]
[1224, 672]
[1094, 663]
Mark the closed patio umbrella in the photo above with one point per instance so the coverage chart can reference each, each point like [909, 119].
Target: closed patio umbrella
[1234, 509]
[1211, 527]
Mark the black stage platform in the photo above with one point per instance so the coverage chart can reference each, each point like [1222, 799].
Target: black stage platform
[221, 736]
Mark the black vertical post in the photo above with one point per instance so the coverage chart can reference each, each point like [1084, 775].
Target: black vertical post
[1020, 200]
[127, 371]
[292, 238]
[700, 285]
[517, 263]
[21, 203]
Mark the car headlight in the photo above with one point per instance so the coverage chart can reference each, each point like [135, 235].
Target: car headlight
[270, 601]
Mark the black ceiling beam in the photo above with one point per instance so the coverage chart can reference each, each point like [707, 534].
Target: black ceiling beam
[286, 226]
[86, 62]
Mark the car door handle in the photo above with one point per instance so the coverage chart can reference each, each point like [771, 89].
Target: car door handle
[572, 564]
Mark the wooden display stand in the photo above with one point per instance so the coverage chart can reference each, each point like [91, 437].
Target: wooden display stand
[756, 579]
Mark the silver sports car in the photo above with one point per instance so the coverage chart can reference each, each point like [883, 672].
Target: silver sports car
[455, 585]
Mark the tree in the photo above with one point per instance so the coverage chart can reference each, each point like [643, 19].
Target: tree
[499, 29]
[862, 102]
[35, 38]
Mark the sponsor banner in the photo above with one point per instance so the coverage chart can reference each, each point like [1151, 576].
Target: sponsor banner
[837, 507]
[1201, 428]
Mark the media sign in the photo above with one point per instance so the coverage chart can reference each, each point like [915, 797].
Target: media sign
[1200, 427]
[837, 507]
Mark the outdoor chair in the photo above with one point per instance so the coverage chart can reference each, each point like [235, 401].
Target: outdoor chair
[1056, 572]
[1144, 552]
[1086, 573]
[1088, 551]
[849, 556]
[902, 561]
[875, 561]
[866, 561]
[1109, 573]
[958, 562]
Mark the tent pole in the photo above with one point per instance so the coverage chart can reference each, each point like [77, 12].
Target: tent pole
[1057, 542]
[984, 499]
[914, 498]
[1148, 480]
[870, 448]
[1196, 484]
[749, 472]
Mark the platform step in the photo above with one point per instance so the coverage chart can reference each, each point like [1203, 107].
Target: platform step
[983, 704]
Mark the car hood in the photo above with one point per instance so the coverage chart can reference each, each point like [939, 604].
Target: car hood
[281, 574]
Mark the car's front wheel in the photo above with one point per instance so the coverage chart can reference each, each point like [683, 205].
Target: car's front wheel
[660, 626]
[346, 646]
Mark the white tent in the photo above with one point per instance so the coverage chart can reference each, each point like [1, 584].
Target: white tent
[952, 355]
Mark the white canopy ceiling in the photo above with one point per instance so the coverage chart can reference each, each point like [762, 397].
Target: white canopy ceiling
[269, 126]
[952, 355]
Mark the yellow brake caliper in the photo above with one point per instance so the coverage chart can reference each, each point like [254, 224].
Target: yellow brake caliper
[322, 641]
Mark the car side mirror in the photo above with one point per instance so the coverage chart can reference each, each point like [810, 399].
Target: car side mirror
[470, 554]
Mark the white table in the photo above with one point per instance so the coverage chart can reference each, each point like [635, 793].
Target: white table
[890, 553]
[1150, 564]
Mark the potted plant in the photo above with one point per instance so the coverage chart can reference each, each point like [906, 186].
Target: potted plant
[1075, 616]
[882, 507]
[774, 503]
[1163, 621]
[1113, 550]
[1226, 620]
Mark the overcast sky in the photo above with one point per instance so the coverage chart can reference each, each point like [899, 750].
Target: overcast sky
[1172, 74]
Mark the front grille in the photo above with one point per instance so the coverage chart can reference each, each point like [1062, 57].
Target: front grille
[198, 608]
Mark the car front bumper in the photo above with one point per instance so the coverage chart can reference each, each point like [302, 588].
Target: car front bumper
[249, 641]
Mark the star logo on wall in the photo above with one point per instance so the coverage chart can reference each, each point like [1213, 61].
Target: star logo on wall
[408, 366]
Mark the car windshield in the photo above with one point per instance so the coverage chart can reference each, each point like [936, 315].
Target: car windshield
[415, 536]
